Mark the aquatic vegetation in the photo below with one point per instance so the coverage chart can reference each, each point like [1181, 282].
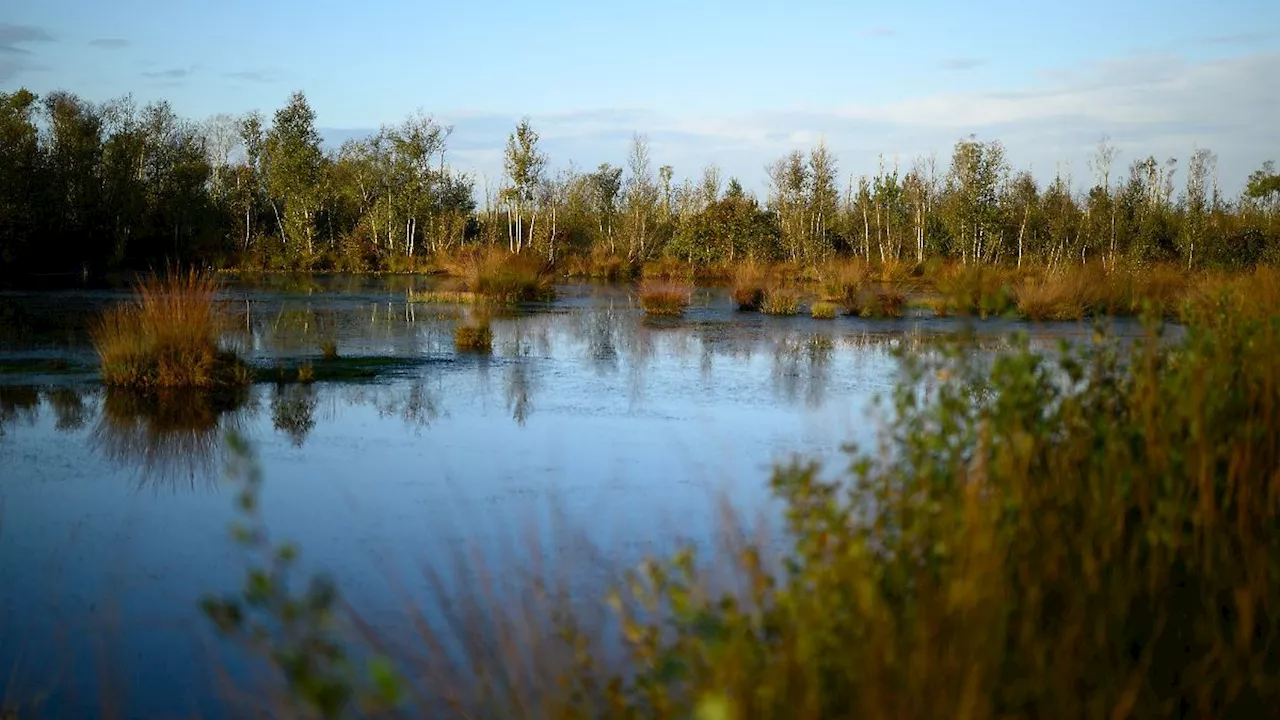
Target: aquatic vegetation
[748, 287]
[781, 301]
[975, 290]
[1026, 526]
[664, 299]
[823, 310]
[474, 338]
[509, 278]
[168, 335]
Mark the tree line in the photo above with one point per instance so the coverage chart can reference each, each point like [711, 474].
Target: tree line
[88, 187]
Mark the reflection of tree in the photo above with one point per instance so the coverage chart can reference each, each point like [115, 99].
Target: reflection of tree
[293, 409]
[802, 363]
[18, 403]
[418, 408]
[68, 407]
[519, 389]
[170, 436]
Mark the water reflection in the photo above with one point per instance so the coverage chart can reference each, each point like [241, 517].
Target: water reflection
[800, 367]
[18, 404]
[293, 410]
[171, 437]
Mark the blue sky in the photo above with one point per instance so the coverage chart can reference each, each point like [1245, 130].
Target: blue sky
[735, 83]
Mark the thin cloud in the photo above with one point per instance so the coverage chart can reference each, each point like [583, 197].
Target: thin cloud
[170, 74]
[962, 63]
[258, 76]
[109, 43]
[13, 56]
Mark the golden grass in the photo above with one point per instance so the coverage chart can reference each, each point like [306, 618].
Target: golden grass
[668, 269]
[823, 310]
[664, 299]
[780, 301]
[167, 336]
[748, 287]
[975, 290]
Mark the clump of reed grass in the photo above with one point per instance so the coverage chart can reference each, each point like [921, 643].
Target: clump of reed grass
[511, 278]
[477, 338]
[748, 287]
[665, 299]
[823, 310]
[601, 264]
[168, 335]
[975, 290]
[843, 282]
[668, 269]
[780, 301]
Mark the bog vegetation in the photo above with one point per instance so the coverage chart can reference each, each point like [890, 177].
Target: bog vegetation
[168, 336]
[1030, 525]
[88, 187]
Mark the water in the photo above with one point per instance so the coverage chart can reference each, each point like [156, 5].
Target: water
[114, 514]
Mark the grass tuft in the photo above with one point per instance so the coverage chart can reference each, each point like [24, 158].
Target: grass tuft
[823, 310]
[167, 336]
[473, 338]
[781, 301]
[665, 299]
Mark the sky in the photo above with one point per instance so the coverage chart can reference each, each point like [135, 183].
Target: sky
[738, 84]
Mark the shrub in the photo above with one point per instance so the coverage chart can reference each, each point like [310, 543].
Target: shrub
[329, 349]
[664, 299]
[781, 301]
[823, 310]
[168, 335]
[473, 338]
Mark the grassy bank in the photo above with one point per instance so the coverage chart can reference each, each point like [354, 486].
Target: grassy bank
[1085, 534]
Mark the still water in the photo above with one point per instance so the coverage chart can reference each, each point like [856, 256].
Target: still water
[114, 510]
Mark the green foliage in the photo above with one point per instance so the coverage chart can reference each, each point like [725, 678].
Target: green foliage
[90, 188]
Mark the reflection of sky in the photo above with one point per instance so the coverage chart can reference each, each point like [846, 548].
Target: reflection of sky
[631, 432]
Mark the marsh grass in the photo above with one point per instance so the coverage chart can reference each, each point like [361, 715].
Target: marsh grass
[665, 299]
[748, 287]
[1092, 290]
[497, 276]
[780, 301]
[822, 310]
[975, 290]
[168, 336]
